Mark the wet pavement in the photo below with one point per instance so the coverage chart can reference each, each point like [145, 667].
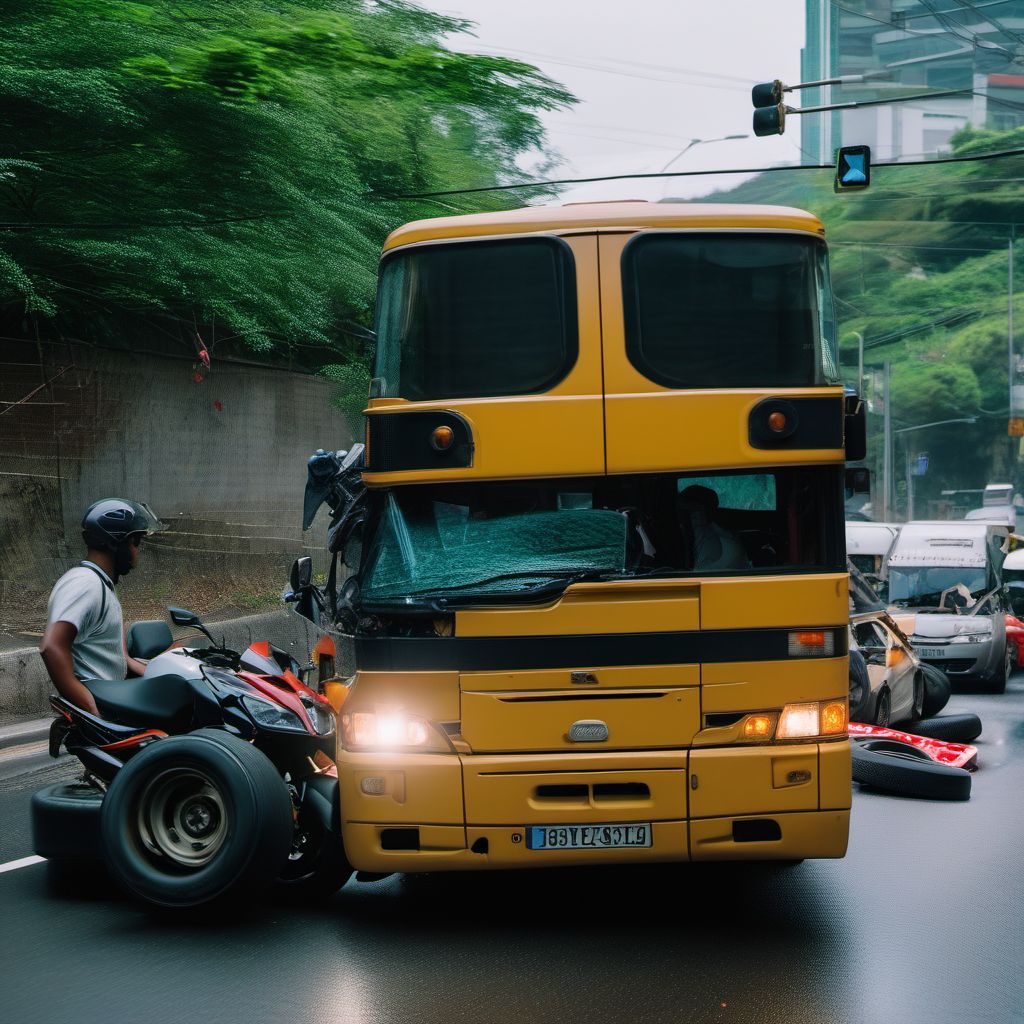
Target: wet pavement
[923, 921]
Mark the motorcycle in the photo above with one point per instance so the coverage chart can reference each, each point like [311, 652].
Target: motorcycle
[210, 773]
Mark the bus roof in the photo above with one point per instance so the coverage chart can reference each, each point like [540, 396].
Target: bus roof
[629, 215]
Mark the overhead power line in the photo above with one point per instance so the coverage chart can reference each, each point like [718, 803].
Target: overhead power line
[550, 183]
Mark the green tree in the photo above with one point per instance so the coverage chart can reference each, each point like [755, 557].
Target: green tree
[225, 170]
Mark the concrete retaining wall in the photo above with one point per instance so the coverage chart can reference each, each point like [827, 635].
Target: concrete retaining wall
[25, 687]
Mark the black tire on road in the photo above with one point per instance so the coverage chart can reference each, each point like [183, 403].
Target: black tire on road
[317, 866]
[952, 728]
[937, 689]
[860, 687]
[883, 707]
[997, 682]
[903, 770]
[66, 822]
[193, 818]
[917, 708]
[319, 869]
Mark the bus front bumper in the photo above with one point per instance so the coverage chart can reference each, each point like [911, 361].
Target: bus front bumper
[437, 812]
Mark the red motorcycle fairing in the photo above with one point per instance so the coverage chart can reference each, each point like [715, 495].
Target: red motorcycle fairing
[284, 688]
[956, 755]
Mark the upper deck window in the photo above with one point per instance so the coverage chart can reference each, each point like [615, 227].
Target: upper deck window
[729, 310]
[469, 319]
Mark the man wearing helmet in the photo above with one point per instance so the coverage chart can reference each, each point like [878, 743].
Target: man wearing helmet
[84, 636]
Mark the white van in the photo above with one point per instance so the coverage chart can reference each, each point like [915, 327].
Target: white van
[950, 575]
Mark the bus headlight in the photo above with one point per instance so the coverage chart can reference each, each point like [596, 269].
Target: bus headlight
[808, 721]
[388, 730]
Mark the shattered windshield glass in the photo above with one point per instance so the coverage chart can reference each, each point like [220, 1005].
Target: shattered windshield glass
[434, 547]
[453, 543]
[926, 587]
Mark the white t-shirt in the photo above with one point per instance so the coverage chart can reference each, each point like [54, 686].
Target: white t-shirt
[84, 596]
[717, 549]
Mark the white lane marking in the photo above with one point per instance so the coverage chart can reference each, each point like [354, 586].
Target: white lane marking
[25, 862]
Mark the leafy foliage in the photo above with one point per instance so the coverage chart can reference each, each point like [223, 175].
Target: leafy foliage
[221, 170]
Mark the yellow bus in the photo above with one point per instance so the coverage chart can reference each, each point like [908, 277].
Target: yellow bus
[601, 601]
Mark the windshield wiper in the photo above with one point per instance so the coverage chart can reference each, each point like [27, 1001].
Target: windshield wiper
[442, 597]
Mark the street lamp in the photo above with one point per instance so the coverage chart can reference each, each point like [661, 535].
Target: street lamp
[699, 142]
[906, 453]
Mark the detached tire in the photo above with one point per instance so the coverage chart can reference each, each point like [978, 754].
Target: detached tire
[860, 687]
[66, 823]
[883, 708]
[193, 818]
[937, 689]
[951, 728]
[901, 769]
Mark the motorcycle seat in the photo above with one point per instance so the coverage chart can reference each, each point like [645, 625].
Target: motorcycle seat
[152, 702]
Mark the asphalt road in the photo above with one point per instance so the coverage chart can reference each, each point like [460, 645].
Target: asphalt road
[921, 922]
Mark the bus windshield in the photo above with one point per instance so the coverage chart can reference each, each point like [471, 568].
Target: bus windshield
[455, 543]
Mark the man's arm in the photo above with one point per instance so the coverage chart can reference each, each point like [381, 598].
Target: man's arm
[135, 666]
[56, 651]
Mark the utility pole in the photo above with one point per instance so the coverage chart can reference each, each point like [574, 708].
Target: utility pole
[860, 364]
[887, 442]
[910, 481]
[910, 461]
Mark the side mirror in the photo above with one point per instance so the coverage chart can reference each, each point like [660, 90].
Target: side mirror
[183, 617]
[857, 481]
[301, 574]
[855, 427]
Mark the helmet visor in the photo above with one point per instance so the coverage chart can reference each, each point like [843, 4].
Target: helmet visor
[146, 520]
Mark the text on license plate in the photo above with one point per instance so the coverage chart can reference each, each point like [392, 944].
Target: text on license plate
[931, 652]
[587, 837]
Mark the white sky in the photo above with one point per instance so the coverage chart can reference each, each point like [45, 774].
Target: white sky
[673, 70]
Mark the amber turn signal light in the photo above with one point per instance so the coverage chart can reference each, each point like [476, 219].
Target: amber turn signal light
[833, 718]
[777, 422]
[758, 727]
[441, 438]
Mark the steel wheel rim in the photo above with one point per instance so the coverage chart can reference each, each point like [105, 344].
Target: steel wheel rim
[182, 817]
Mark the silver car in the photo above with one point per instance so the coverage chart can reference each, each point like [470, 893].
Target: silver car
[947, 574]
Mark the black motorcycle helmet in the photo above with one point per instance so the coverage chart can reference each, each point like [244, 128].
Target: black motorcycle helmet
[109, 525]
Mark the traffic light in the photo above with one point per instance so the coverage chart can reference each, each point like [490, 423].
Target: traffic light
[769, 110]
[853, 168]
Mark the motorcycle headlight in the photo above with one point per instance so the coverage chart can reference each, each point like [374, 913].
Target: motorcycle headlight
[269, 715]
[321, 715]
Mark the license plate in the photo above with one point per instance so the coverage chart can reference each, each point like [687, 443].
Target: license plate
[931, 652]
[588, 837]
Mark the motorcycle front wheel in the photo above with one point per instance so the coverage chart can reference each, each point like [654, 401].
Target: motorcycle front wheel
[194, 818]
[316, 866]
